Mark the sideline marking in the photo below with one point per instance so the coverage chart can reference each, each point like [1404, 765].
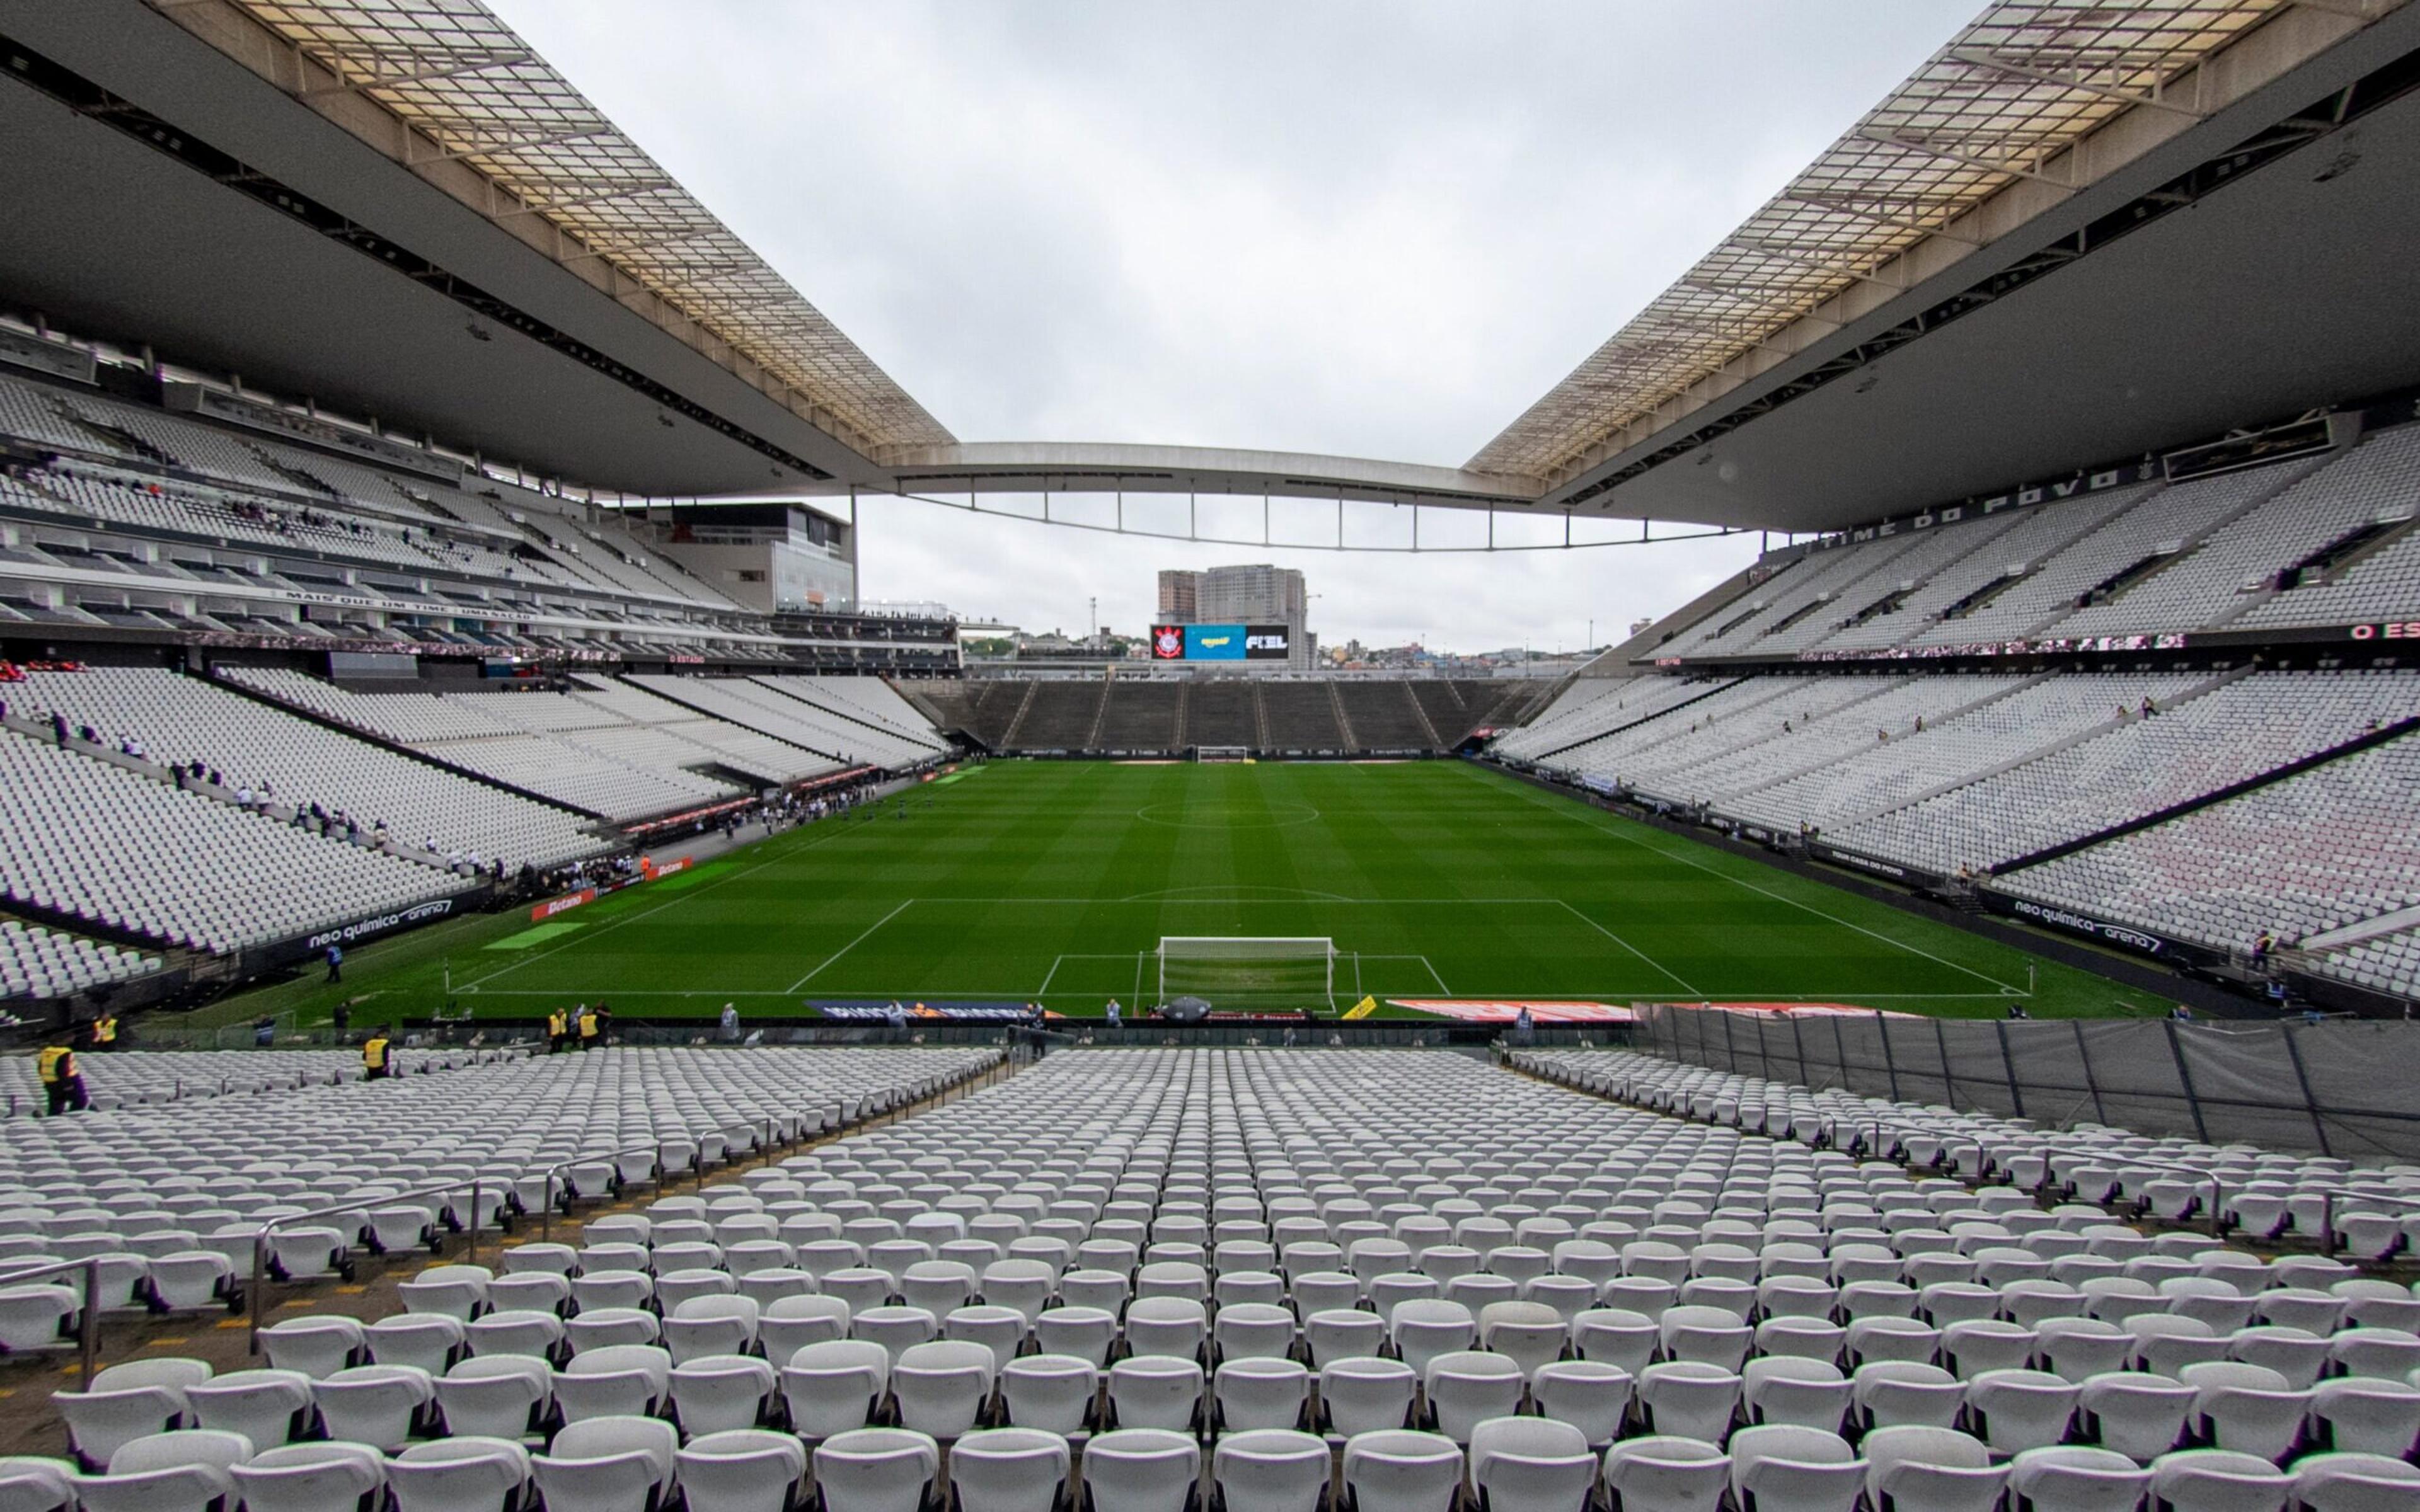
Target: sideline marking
[1627, 946]
[850, 945]
[1580, 817]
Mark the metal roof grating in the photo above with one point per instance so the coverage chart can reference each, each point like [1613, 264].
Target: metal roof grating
[1996, 106]
[467, 82]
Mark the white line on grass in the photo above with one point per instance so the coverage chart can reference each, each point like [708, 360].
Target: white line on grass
[1439, 980]
[1632, 948]
[850, 945]
[1045, 989]
[1580, 817]
[472, 986]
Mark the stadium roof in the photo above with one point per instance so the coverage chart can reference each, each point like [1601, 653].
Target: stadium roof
[473, 92]
[396, 208]
[2004, 103]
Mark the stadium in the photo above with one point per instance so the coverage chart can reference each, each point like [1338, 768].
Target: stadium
[524, 984]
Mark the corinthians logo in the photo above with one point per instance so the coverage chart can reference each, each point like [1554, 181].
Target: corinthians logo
[1167, 643]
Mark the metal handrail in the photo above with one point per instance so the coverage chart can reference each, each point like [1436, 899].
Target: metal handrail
[88, 1316]
[546, 1192]
[260, 1239]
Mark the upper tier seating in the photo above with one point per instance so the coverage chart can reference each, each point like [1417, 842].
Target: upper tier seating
[2241, 560]
[2248, 727]
[2325, 848]
[183, 719]
[1876, 779]
[1595, 706]
[93, 840]
[47, 963]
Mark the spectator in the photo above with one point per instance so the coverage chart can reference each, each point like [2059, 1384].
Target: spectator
[62, 1079]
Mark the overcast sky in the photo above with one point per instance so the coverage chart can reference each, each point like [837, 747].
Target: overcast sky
[1365, 228]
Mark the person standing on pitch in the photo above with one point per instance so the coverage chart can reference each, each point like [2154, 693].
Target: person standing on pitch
[62, 1079]
[335, 962]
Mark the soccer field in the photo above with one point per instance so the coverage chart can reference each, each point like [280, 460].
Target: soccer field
[1054, 882]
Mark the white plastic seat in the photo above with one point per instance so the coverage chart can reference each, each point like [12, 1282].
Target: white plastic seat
[2363, 1415]
[317, 1347]
[719, 1392]
[607, 1464]
[34, 1483]
[309, 1477]
[1260, 1392]
[126, 1402]
[1523, 1464]
[2138, 1415]
[462, 1475]
[2021, 1410]
[1787, 1389]
[1898, 1392]
[747, 1470]
[834, 1387]
[620, 1380]
[1930, 1470]
[423, 1340]
[372, 1404]
[2245, 1407]
[190, 1280]
[1086, 1333]
[2218, 1480]
[1052, 1393]
[1140, 1470]
[1469, 1387]
[1248, 1330]
[1802, 1470]
[522, 1331]
[1401, 1470]
[876, 1470]
[1009, 1470]
[2072, 1478]
[942, 1387]
[496, 1397]
[1592, 1397]
[1155, 1391]
[1336, 1334]
[1666, 1472]
[703, 1326]
[2355, 1483]
[1616, 1336]
[1363, 1395]
[790, 1324]
[262, 1405]
[1271, 1470]
[183, 1471]
[1681, 1399]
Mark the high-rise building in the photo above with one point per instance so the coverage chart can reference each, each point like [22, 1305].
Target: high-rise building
[1179, 593]
[1254, 594]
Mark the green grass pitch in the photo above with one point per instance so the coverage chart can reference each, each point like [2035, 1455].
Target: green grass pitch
[1054, 881]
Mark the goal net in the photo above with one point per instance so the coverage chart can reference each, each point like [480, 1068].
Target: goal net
[1248, 970]
[1222, 754]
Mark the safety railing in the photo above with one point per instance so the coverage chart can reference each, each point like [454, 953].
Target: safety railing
[261, 1237]
[88, 1312]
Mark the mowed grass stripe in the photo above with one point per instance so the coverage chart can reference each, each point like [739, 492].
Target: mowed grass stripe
[1070, 873]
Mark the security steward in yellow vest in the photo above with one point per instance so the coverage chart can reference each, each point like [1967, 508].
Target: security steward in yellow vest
[558, 1031]
[378, 1056]
[589, 1027]
[104, 1032]
[62, 1081]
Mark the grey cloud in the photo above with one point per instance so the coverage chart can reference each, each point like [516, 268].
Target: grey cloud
[1357, 226]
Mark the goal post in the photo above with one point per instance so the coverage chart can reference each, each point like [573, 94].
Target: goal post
[1222, 754]
[1248, 970]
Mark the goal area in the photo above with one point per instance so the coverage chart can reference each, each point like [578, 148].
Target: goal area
[1222, 754]
[1248, 970]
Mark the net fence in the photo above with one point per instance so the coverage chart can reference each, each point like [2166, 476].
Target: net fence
[2344, 1088]
[1288, 971]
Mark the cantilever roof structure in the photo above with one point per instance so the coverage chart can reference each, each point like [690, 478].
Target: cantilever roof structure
[2007, 101]
[472, 92]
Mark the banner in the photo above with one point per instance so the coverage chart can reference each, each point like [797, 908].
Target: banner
[1221, 643]
[651, 868]
[1475, 1010]
[2055, 917]
[872, 1011]
[563, 905]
